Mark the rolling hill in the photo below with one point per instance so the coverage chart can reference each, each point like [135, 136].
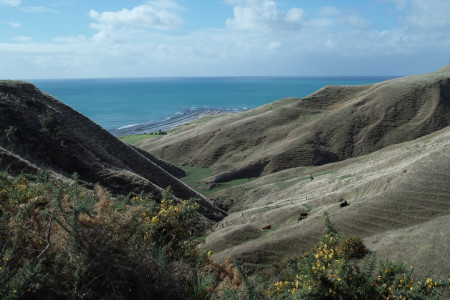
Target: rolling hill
[38, 132]
[384, 148]
[333, 124]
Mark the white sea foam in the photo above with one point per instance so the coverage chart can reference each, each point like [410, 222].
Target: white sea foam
[129, 126]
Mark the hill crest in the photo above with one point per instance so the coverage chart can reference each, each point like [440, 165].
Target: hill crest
[333, 124]
[39, 132]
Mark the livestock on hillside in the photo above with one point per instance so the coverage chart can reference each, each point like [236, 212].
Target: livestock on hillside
[343, 204]
[302, 216]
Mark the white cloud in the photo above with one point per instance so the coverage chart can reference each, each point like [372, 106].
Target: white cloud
[263, 15]
[38, 9]
[11, 2]
[356, 21]
[338, 42]
[22, 39]
[165, 4]
[273, 46]
[15, 24]
[429, 15]
[330, 44]
[120, 26]
[399, 4]
[140, 16]
[322, 23]
[328, 11]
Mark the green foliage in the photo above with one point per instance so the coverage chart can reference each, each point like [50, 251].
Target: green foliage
[62, 240]
[132, 139]
[329, 225]
[195, 175]
[249, 289]
[10, 133]
[49, 123]
[329, 273]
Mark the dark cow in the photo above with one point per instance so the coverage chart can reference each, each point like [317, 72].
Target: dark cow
[302, 216]
[343, 204]
[267, 227]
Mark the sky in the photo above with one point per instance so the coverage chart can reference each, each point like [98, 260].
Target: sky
[51, 39]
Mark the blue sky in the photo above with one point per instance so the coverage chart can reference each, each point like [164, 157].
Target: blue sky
[158, 38]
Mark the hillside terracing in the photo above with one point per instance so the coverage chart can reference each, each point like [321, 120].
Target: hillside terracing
[398, 200]
[333, 124]
[382, 148]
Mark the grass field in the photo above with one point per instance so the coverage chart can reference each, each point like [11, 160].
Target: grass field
[132, 139]
[135, 138]
[196, 175]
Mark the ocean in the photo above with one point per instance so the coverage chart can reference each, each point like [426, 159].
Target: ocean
[129, 103]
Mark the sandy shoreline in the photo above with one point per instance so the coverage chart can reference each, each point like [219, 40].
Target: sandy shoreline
[171, 122]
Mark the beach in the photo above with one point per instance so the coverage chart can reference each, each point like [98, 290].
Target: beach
[171, 122]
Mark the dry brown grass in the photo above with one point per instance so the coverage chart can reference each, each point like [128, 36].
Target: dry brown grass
[390, 191]
[389, 145]
[333, 124]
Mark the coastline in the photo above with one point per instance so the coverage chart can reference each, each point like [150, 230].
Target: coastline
[168, 123]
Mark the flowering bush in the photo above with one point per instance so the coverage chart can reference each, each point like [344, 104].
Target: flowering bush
[62, 240]
[328, 273]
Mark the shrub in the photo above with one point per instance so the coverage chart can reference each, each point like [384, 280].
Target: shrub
[62, 240]
[10, 133]
[49, 123]
[327, 273]
[352, 247]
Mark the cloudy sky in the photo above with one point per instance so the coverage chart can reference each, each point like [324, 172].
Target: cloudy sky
[138, 38]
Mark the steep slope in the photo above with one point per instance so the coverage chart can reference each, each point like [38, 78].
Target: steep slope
[399, 201]
[333, 124]
[38, 132]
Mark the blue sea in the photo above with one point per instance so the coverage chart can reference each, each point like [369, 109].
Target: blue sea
[119, 103]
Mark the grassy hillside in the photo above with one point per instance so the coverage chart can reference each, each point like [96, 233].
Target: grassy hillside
[307, 194]
[382, 148]
[333, 124]
[398, 191]
[61, 240]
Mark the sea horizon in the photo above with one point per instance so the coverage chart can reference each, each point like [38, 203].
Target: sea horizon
[115, 103]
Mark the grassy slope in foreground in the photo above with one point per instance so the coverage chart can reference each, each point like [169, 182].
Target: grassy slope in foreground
[398, 191]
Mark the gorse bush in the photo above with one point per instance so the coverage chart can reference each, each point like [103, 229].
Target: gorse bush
[352, 247]
[61, 240]
[328, 273]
